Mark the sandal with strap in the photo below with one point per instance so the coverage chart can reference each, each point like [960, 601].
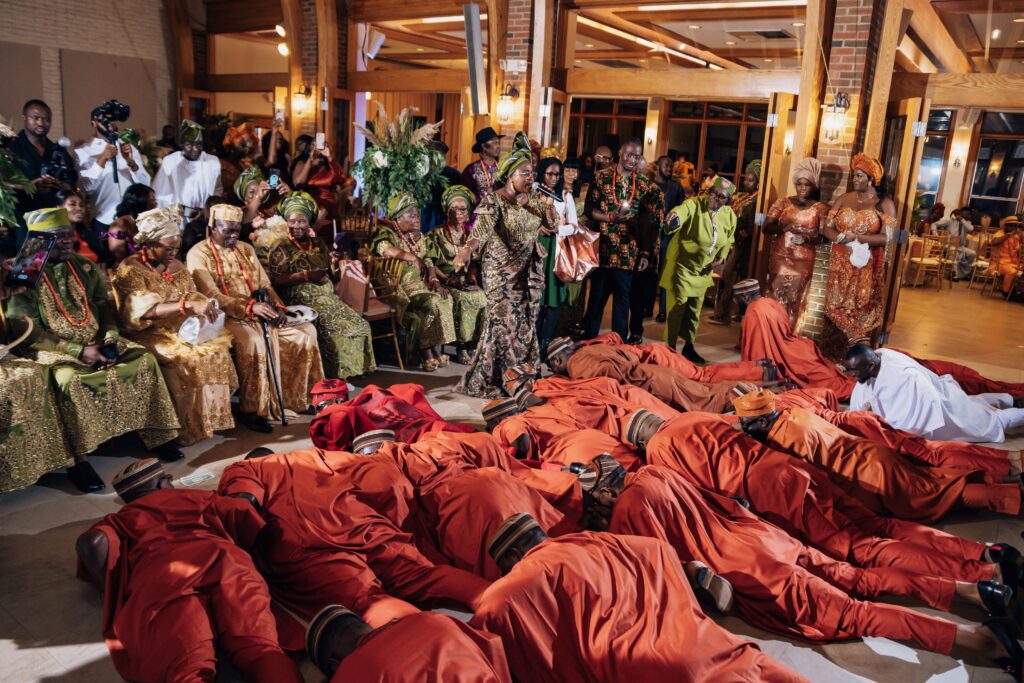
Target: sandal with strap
[429, 365]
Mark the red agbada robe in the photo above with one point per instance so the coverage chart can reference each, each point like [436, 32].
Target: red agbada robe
[601, 360]
[802, 500]
[969, 379]
[179, 582]
[767, 333]
[402, 408]
[602, 390]
[583, 445]
[601, 608]
[426, 648]
[953, 454]
[662, 354]
[880, 478]
[779, 583]
[333, 535]
[469, 509]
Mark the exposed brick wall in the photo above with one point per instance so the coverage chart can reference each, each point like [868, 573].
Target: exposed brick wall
[851, 63]
[342, 43]
[201, 57]
[94, 26]
[309, 39]
[518, 45]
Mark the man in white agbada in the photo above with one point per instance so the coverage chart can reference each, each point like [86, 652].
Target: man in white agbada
[912, 398]
[188, 177]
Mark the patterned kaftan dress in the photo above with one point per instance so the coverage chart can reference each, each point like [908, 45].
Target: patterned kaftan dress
[470, 302]
[512, 265]
[344, 336]
[790, 265]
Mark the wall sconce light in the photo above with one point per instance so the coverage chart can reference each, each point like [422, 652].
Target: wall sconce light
[649, 136]
[279, 30]
[301, 100]
[958, 156]
[788, 142]
[505, 106]
[282, 49]
[833, 120]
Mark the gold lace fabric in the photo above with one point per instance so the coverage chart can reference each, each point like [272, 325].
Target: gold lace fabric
[72, 295]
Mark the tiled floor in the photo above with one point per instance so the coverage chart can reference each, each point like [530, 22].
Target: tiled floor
[50, 622]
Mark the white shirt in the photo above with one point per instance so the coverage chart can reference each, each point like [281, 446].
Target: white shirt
[98, 182]
[566, 209]
[912, 398]
[189, 183]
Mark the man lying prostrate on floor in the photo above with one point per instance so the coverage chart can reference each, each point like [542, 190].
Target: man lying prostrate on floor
[777, 582]
[565, 357]
[911, 397]
[800, 499]
[419, 648]
[874, 474]
[762, 371]
[178, 583]
[333, 535]
[602, 608]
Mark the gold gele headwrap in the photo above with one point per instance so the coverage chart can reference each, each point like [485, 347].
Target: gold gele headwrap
[870, 165]
[808, 169]
[158, 224]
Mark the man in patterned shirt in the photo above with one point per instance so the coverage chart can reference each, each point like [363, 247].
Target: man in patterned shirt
[479, 175]
[626, 208]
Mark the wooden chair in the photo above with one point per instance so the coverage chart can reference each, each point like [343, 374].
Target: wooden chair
[981, 272]
[932, 259]
[360, 224]
[383, 274]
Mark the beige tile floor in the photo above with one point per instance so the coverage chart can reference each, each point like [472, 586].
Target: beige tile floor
[50, 622]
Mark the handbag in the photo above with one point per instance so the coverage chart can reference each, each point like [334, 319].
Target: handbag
[196, 331]
[576, 254]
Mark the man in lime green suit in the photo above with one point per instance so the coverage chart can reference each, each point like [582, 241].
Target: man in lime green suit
[701, 233]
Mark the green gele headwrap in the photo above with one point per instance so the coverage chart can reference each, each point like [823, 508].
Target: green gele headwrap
[457, 192]
[399, 204]
[298, 202]
[190, 131]
[246, 178]
[519, 154]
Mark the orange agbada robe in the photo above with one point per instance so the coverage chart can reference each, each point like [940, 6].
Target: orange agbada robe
[469, 509]
[583, 445]
[969, 379]
[779, 583]
[880, 478]
[802, 500]
[603, 390]
[662, 354]
[334, 535]
[601, 360]
[953, 454]
[179, 583]
[767, 333]
[426, 648]
[601, 608]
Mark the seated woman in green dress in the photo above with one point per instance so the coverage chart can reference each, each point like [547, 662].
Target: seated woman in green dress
[443, 243]
[304, 272]
[424, 305]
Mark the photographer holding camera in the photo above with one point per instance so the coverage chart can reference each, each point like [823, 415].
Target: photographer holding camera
[108, 165]
[44, 162]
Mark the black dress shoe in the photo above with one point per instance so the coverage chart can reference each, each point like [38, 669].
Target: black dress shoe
[634, 339]
[84, 477]
[1010, 561]
[168, 452]
[690, 354]
[255, 423]
[996, 597]
[660, 318]
[1007, 633]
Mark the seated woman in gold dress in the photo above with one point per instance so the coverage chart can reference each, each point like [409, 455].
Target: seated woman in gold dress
[424, 304]
[155, 295]
[796, 222]
[443, 243]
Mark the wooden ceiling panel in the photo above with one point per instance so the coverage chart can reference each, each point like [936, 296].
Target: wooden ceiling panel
[239, 16]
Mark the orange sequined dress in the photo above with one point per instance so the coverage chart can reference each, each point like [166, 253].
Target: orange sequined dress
[791, 259]
[854, 298]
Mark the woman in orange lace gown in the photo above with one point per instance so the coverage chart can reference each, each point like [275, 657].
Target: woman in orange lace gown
[853, 301]
[796, 221]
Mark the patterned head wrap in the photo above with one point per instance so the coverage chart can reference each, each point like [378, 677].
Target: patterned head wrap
[190, 131]
[247, 177]
[723, 185]
[158, 224]
[873, 167]
[511, 530]
[755, 403]
[137, 474]
[556, 346]
[754, 167]
[400, 204]
[236, 134]
[808, 169]
[298, 202]
[520, 154]
[225, 212]
[498, 409]
[457, 192]
[744, 286]
[638, 423]
[47, 220]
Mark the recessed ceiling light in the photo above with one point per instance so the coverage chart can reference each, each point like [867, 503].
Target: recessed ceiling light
[1019, 20]
[996, 33]
[767, 60]
[1020, 41]
[694, 26]
[798, 24]
[589, 45]
[419, 49]
[730, 42]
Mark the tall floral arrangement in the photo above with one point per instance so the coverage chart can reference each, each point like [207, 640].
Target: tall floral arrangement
[12, 179]
[397, 159]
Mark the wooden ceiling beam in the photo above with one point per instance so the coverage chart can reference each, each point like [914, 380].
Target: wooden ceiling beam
[440, 43]
[697, 84]
[910, 57]
[983, 91]
[409, 80]
[417, 27]
[926, 22]
[604, 36]
[391, 10]
[963, 32]
[971, 6]
[228, 16]
[419, 56]
[725, 14]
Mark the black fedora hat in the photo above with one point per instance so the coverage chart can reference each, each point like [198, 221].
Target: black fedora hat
[484, 135]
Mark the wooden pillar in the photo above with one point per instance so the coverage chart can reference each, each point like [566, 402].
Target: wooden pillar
[327, 62]
[882, 78]
[181, 32]
[292, 22]
[817, 38]
[540, 66]
[497, 29]
[775, 165]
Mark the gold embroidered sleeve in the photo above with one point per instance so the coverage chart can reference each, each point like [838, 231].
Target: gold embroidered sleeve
[203, 270]
[134, 298]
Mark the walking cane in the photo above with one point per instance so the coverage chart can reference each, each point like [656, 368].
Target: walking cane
[261, 296]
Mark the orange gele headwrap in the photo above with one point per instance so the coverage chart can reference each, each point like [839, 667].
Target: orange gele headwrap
[237, 133]
[871, 166]
[755, 403]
